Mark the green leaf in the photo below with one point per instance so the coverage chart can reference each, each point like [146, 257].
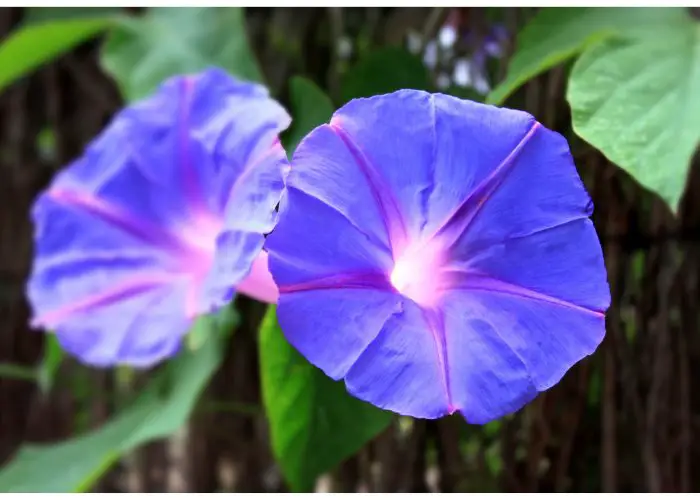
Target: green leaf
[638, 101]
[142, 52]
[311, 107]
[35, 44]
[17, 372]
[314, 423]
[42, 14]
[464, 93]
[557, 34]
[46, 144]
[384, 71]
[162, 408]
[50, 363]
[225, 320]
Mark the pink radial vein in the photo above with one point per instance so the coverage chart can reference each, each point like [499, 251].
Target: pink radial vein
[455, 225]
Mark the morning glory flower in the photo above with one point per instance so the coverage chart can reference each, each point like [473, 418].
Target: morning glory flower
[160, 220]
[437, 254]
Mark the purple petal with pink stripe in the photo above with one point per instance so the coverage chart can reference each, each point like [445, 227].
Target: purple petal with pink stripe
[437, 254]
[160, 220]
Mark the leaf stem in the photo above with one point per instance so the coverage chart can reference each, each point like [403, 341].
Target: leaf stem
[231, 407]
[17, 372]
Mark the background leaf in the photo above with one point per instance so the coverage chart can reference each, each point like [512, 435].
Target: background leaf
[637, 101]
[42, 14]
[383, 71]
[142, 52]
[35, 44]
[161, 409]
[314, 423]
[13, 371]
[310, 108]
[224, 320]
[50, 363]
[556, 34]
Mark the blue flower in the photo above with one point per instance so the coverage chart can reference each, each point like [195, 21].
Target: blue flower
[437, 254]
[160, 220]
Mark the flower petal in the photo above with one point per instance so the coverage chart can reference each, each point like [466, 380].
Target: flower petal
[487, 378]
[79, 254]
[545, 338]
[472, 141]
[402, 369]
[565, 263]
[143, 328]
[426, 167]
[392, 138]
[126, 236]
[497, 270]
[333, 176]
[249, 214]
[536, 188]
[331, 328]
[90, 273]
[210, 128]
[316, 241]
[259, 283]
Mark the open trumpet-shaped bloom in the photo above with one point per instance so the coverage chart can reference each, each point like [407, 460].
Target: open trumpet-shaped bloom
[437, 254]
[160, 220]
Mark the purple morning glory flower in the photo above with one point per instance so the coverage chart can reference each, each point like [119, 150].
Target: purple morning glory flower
[160, 220]
[437, 254]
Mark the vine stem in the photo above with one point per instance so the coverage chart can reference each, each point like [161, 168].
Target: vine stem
[17, 372]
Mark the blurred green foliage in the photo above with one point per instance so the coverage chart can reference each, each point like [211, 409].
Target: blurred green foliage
[555, 35]
[314, 423]
[162, 408]
[637, 101]
[142, 52]
[50, 363]
[310, 107]
[633, 90]
[384, 71]
[39, 42]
